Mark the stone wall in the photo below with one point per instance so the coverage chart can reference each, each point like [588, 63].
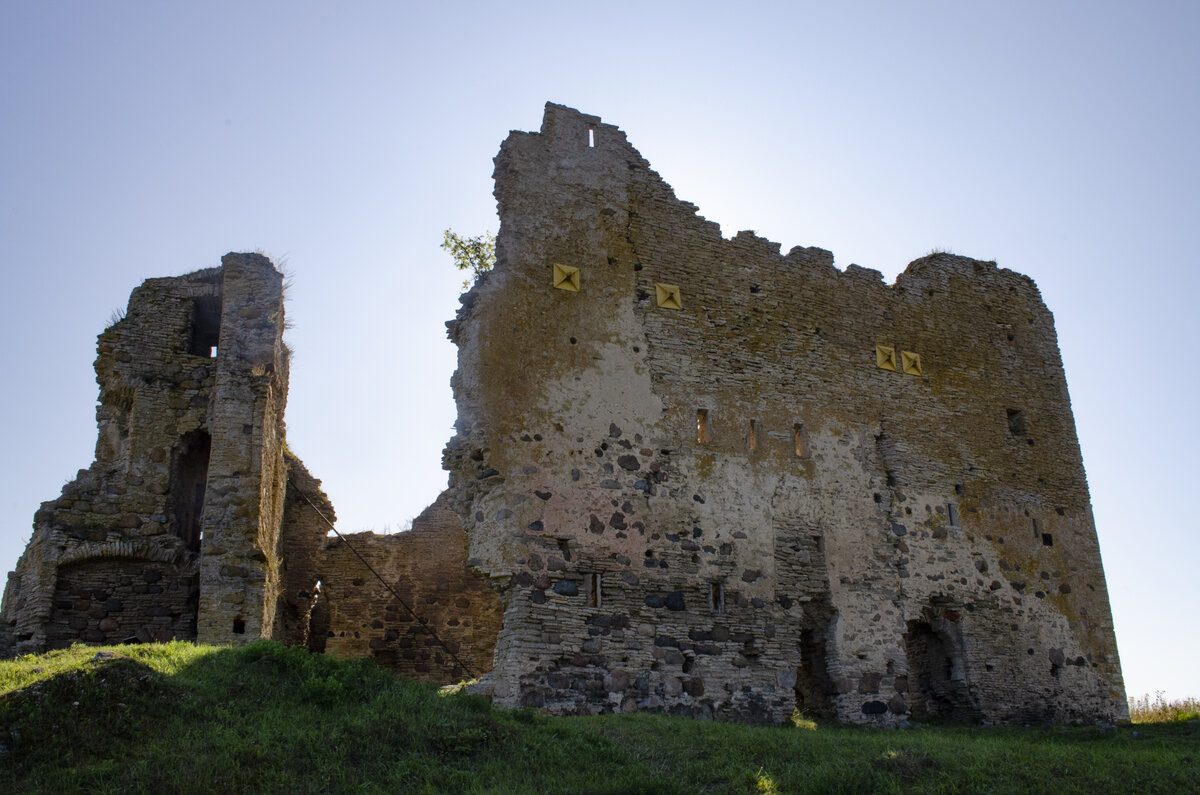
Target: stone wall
[426, 568]
[307, 516]
[118, 600]
[239, 564]
[717, 480]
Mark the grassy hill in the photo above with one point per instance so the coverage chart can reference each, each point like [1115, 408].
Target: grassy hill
[268, 718]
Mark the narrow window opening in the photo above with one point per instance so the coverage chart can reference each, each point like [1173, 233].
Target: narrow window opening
[564, 548]
[306, 624]
[205, 326]
[1047, 540]
[239, 626]
[798, 439]
[753, 442]
[716, 597]
[591, 136]
[317, 621]
[958, 489]
[1036, 530]
[592, 583]
[952, 512]
[703, 427]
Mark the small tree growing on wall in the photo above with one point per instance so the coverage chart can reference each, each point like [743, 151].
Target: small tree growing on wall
[477, 255]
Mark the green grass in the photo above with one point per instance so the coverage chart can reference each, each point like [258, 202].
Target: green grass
[267, 718]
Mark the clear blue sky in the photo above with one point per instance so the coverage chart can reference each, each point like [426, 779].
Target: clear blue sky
[143, 139]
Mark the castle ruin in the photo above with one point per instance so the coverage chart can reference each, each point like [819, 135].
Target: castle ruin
[195, 522]
[689, 474]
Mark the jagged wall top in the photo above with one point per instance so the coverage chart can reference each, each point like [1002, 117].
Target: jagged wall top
[578, 140]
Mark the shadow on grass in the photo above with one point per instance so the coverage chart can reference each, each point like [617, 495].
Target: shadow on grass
[269, 718]
[81, 711]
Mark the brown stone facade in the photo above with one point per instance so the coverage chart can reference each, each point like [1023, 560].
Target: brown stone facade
[723, 481]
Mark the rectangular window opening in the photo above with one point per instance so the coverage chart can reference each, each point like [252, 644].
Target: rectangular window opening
[239, 626]
[592, 584]
[205, 330]
[798, 439]
[753, 443]
[1016, 422]
[591, 136]
[703, 427]
[716, 597]
[1047, 540]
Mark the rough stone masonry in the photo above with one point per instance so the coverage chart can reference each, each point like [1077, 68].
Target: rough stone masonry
[195, 522]
[689, 474]
[717, 480]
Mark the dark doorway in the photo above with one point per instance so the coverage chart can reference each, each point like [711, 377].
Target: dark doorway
[937, 677]
[814, 687]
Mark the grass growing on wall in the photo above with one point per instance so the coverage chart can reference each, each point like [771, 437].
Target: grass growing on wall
[268, 718]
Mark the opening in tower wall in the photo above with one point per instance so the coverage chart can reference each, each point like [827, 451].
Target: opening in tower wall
[190, 482]
[937, 681]
[205, 326]
[814, 688]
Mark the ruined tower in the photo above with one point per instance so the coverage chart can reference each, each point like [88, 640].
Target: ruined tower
[195, 522]
[177, 528]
